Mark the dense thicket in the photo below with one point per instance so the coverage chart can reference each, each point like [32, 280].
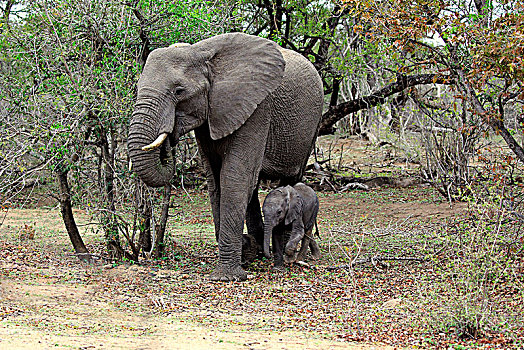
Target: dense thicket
[449, 71]
[68, 84]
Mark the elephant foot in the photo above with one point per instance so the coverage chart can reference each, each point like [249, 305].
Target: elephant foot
[289, 259]
[226, 274]
[315, 250]
[300, 258]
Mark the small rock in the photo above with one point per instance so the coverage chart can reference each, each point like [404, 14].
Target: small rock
[392, 303]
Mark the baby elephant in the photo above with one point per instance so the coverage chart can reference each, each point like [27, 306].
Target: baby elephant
[289, 216]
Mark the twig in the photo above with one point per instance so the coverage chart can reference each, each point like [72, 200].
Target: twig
[373, 260]
[303, 264]
[5, 215]
[124, 231]
[355, 186]
[371, 233]
[317, 164]
[187, 193]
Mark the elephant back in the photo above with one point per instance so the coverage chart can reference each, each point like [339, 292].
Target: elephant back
[295, 109]
[310, 205]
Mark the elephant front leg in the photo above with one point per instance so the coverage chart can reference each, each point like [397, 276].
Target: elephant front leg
[212, 164]
[229, 267]
[233, 205]
[242, 154]
[304, 246]
[214, 198]
[297, 234]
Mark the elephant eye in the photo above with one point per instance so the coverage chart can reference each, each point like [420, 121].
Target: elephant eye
[179, 91]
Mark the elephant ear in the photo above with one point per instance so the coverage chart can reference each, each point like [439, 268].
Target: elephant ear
[244, 70]
[295, 206]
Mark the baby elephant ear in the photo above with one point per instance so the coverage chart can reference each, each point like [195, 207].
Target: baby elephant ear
[295, 206]
[244, 70]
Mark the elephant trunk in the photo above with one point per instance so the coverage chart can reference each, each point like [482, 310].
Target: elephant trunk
[268, 230]
[149, 148]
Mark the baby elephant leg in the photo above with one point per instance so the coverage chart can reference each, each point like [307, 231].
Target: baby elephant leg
[301, 256]
[306, 242]
[315, 250]
[278, 251]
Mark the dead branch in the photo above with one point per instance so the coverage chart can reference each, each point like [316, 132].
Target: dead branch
[337, 183]
[373, 260]
[338, 112]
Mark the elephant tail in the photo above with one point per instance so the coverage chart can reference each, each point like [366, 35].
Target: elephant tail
[316, 229]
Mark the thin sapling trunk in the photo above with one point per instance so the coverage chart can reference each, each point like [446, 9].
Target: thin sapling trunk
[67, 216]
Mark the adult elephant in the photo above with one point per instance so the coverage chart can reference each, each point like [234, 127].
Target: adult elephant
[255, 109]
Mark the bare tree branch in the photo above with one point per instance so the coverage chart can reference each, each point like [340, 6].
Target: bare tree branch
[403, 82]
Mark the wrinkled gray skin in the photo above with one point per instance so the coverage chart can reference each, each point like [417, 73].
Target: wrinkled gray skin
[289, 216]
[255, 109]
[250, 249]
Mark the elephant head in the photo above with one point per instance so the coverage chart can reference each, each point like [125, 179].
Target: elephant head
[219, 81]
[282, 206]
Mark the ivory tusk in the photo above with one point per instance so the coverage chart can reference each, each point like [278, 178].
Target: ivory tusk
[179, 45]
[157, 143]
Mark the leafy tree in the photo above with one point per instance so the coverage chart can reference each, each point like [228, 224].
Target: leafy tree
[69, 69]
[69, 89]
[476, 46]
[352, 63]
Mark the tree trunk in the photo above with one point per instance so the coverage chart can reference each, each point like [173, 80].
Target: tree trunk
[274, 12]
[145, 50]
[161, 227]
[397, 104]
[110, 222]
[68, 218]
[7, 12]
[144, 211]
[333, 101]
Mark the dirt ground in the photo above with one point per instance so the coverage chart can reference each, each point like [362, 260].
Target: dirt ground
[73, 317]
[50, 300]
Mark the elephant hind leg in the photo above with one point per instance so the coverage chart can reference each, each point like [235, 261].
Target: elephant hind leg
[250, 249]
[255, 226]
[315, 250]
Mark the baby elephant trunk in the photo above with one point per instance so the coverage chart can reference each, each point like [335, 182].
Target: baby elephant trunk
[268, 229]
